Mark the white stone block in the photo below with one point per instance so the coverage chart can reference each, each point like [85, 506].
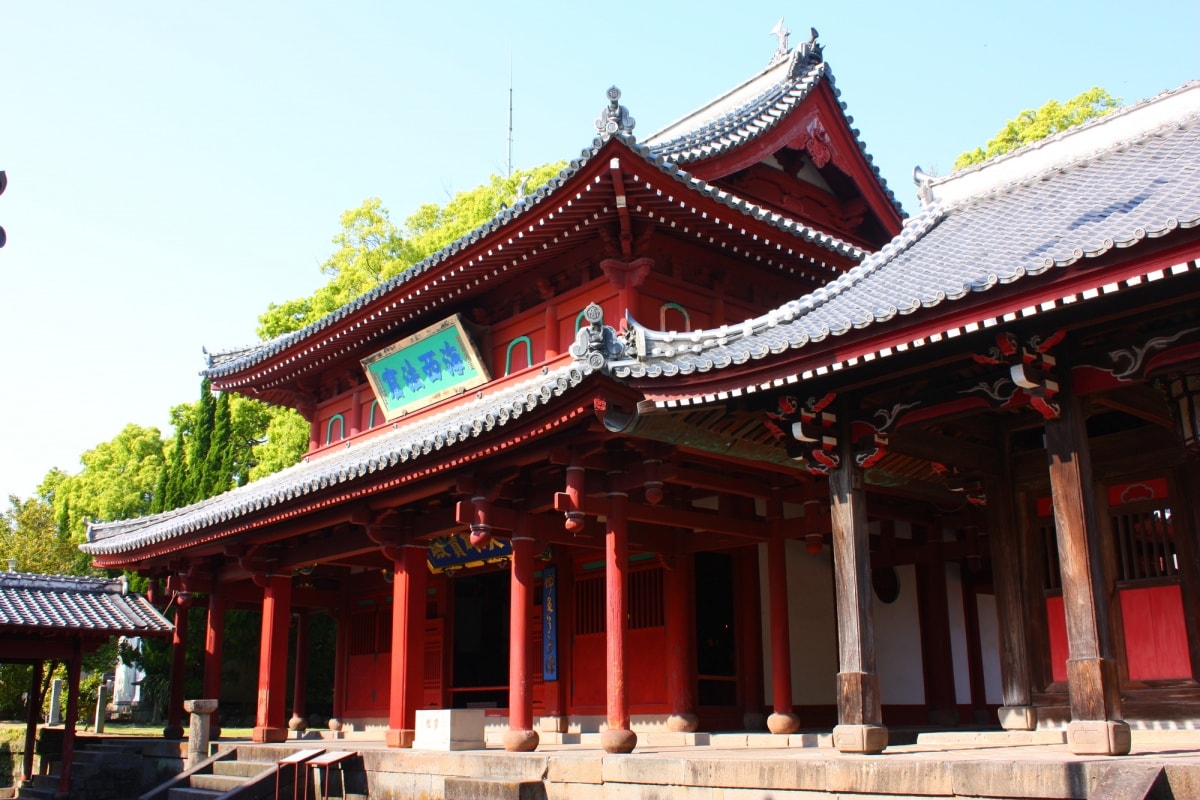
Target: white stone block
[449, 729]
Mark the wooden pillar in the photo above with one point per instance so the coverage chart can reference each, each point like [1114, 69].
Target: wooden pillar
[68, 746]
[618, 738]
[214, 646]
[933, 609]
[680, 612]
[269, 723]
[299, 720]
[33, 714]
[408, 641]
[748, 628]
[975, 679]
[520, 736]
[174, 728]
[1010, 578]
[783, 719]
[1096, 726]
[860, 723]
[341, 652]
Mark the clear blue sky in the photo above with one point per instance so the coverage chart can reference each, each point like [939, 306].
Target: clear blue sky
[175, 167]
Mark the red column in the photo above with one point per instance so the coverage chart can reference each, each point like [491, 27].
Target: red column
[618, 738]
[299, 721]
[520, 736]
[272, 660]
[214, 646]
[681, 647]
[408, 644]
[340, 654]
[68, 745]
[32, 715]
[783, 720]
[174, 729]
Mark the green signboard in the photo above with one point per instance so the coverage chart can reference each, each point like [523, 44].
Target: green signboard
[421, 369]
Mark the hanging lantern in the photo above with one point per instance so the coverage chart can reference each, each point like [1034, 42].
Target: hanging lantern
[1184, 392]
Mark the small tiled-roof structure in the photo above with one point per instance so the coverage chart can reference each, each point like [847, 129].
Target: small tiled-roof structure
[1123, 179]
[42, 607]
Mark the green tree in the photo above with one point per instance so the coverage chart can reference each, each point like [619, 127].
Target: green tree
[218, 462]
[117, 481]
[371, 249]
[285, 443]
[1031, 126]
[29, 534]
[176, 470]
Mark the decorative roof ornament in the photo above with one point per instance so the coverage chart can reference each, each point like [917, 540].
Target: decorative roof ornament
[781, 33]
[810, 50]
[596, 343]
[614, 117]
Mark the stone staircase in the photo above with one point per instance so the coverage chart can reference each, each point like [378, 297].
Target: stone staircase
[242, 773]
[99, 771]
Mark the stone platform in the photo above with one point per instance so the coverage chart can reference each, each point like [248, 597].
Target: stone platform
[753, 766]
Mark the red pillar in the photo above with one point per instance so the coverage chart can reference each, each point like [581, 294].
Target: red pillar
[68, 746]
[408, 644]
[174, 729]
[618, 738]
[520, 736]
[214, 646]
[272, 660]
[299, 721]
[32, 715]
[783, 720]
[340, 654]
[681, 647]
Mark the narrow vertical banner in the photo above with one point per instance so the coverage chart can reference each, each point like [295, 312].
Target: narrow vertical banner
[550, 624]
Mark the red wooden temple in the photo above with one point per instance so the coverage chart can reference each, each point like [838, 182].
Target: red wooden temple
[705, 434]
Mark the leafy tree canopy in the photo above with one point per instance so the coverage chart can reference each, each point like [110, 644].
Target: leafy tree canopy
[1031, 126]
[371, 249]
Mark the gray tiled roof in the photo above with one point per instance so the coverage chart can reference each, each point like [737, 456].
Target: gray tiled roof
[395, 449]
[230, 361]
[31, 603]
[754, 109]
[1132, 175]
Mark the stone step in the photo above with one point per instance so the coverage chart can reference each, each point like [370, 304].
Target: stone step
[244, 769]
[188, 793]
[221, 783]
[483, 789]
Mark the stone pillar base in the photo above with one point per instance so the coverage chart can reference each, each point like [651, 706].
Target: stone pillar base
[1018, 718]
[399, 737]
[783, 724]
[860, 738]
[173, 732]
[1099, 737]
[618, 740]
[262, 735]
[520, 741]
[683, 723]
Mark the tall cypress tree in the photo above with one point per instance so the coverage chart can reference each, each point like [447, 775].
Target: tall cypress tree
[199, 445]
[218, 462]
[176, 494]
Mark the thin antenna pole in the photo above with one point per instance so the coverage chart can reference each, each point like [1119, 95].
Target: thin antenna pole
[510, 113]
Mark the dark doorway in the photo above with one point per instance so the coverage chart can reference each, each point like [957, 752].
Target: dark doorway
[716, 635]
[480, 666]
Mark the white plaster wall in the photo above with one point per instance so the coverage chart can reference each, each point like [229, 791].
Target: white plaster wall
[898, 644]
[812, 623]
[989, 638]
[958, 635]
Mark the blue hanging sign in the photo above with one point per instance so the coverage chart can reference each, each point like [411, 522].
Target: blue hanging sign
[550, 624]
[428, 366]
[455, 551]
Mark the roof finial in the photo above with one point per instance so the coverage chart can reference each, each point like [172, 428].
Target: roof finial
[781, 33]
[614, 117]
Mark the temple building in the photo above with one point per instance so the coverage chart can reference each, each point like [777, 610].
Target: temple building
[705, 434]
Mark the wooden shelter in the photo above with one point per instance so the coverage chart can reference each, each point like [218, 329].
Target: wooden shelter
[595, 466]
[61, 618]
